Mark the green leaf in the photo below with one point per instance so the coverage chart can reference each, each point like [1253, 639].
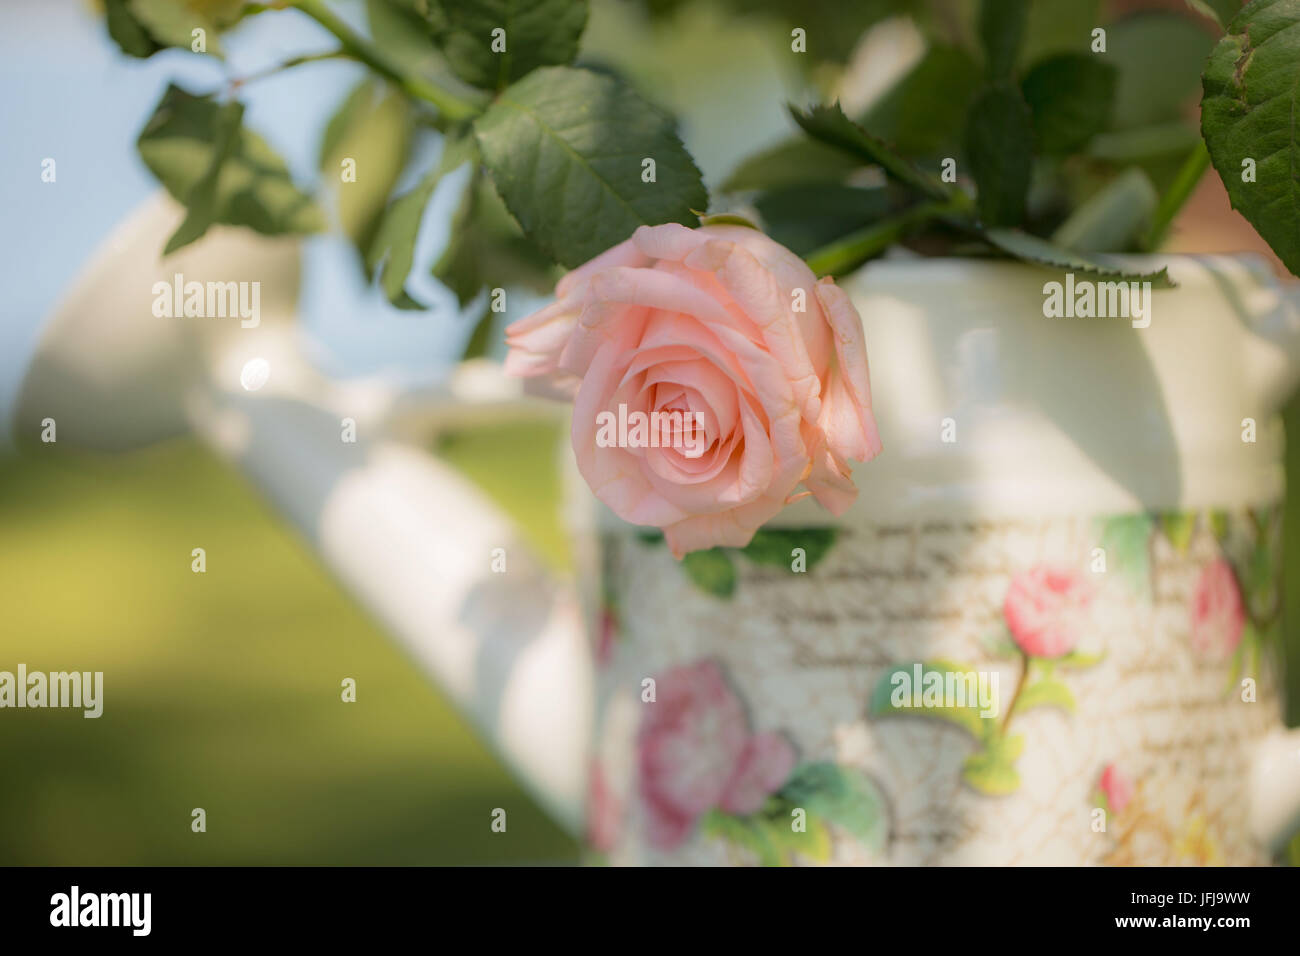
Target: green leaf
[744, 832]
[842, 796]
[1045, 692]
[481, 337]
[776, 821]
[1145, 143]
[814, 842]
[1113, 219]
[1008, 747]
[891, 698]
[1158, 57]
[846, 253]
[805, 218]
[344, 119]
[989, 775]
[999, 149]
[1126, 539]
[1002, 30]
[402, 29]
[458, 265]
[1219, 525]
[1260, 579]
[1078, 660]
[127, 31]
[172, 22]
[1220, 11]
[711, 571]
[201, 203]
[565, 149]
[143, 27]
[726, 219]
[1058, 26]
[1235, 666]
[374, 130]
[773, 546]
[1040, 252]
[998, 643]
[223, 13]
[992, 770]
[829, 125]
[487, 249]
[392, 253]
[1071, 97]
[1252, 99]
[923, 114]
[795, 162]
[1178, 527]
[253, 188]
[537, 33]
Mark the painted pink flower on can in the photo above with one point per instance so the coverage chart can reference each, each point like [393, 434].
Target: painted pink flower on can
[1218, 616]
[1046, 609]
[697, 752]
[1117, 787]
[764, 365]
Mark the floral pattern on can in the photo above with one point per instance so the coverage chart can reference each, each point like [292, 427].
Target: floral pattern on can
[1120, 650]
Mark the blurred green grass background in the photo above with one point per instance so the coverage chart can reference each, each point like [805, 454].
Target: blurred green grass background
[222, 690]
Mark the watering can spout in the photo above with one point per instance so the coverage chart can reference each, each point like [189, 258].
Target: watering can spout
[420, 547]
[435, 561]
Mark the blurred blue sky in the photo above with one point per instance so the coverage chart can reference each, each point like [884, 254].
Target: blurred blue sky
[68, 93]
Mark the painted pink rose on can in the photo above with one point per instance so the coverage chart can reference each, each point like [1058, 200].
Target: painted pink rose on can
[696, 752]
[1117, 787]
[763, 366]
[1218, 616]
[1046, 610]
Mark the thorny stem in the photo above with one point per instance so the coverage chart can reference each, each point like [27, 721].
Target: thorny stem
[1020, 686]
[848, 251]
[289, 64]
[1189, 174]
[353, 44]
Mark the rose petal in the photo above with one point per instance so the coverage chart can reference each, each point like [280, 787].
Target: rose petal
[756, 292]
[614, 475]
[847, 419]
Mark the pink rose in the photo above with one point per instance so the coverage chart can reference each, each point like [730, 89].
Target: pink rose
[704, 323]
[1218, 616]
[1046, 610]
[1117, 787]
[697, 752]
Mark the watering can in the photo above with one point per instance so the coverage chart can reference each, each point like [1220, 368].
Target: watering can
[769, 705]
